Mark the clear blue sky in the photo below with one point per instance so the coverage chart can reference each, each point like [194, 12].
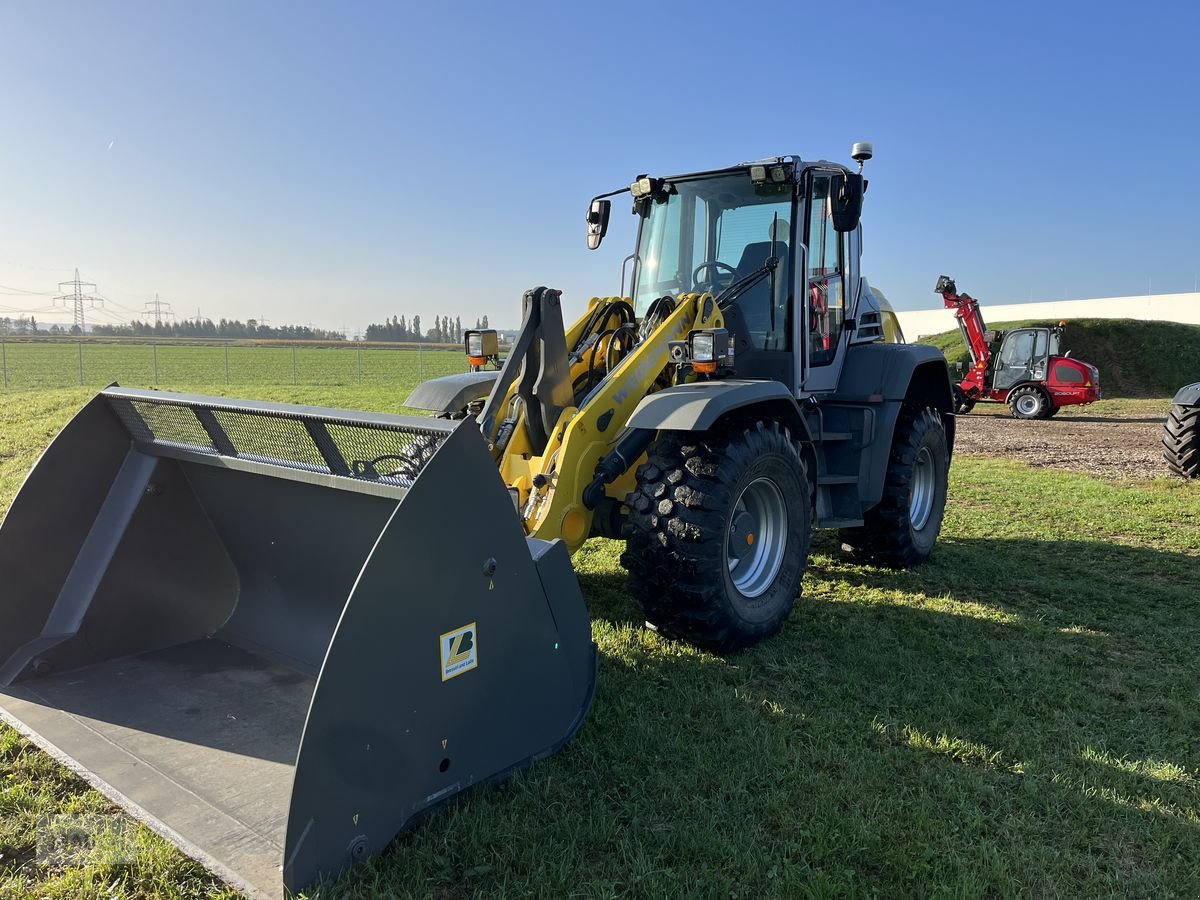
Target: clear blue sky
[345, 162]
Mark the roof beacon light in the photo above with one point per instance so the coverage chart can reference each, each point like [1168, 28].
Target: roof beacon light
[861, 152]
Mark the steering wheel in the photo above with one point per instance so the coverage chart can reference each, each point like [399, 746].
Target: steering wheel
[718, 267]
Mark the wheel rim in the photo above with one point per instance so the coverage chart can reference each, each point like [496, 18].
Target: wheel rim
[757, 537]
[1027, 404]
[924, 487]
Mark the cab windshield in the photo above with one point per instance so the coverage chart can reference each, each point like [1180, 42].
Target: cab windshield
[709, 232]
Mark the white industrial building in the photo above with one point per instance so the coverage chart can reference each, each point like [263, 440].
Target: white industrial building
[1159, 307]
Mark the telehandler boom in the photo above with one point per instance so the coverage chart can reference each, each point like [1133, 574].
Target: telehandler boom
[257, 627]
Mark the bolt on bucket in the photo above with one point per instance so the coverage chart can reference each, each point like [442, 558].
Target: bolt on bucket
[280, 634]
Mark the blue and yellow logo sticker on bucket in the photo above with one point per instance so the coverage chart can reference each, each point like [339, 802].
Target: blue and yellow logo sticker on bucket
[460, 651]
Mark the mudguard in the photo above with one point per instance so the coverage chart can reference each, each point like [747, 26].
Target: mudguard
[452, 393]
[698, 405]
[1188, 396]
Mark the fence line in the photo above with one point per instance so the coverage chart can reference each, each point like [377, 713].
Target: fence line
[26, 364]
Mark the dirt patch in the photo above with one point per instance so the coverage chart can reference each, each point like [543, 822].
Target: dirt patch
[1109, 444]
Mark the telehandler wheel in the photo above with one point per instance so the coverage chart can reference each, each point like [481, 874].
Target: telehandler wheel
[962, 403]
[717, 537]
[1029, 402]
[902, 528]
[1181, 441]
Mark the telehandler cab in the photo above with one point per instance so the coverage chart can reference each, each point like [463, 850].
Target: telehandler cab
[282, 634]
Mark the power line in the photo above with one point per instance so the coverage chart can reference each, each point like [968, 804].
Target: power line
[22, 292]
[80, 291]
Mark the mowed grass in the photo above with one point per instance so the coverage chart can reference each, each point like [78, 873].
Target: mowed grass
[29, 365]
[1018, 716]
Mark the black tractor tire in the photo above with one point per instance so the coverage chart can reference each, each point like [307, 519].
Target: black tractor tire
[1029, 402]
[962, 403]
[1181, 441]
[901, 530]
[1051, 411]
[696, 497]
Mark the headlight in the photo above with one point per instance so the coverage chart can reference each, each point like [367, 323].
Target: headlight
[480, 345]
[709, 350]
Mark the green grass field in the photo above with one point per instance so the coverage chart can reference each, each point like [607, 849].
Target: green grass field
[29, 364]
[1018, 716]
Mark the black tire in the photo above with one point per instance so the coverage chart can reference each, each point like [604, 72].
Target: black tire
[890, 535]
[1181, 441]
[1051, 411]
[1028, 402]
[683, 517]
[962, 403]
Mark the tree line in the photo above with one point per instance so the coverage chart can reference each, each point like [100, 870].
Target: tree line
[222, 328]
[443, 331]
[20, 325]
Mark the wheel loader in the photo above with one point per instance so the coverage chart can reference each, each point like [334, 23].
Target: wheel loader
[1181, 433]
[280, 635]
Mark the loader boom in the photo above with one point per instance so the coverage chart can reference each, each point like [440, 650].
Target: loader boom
[548, 473]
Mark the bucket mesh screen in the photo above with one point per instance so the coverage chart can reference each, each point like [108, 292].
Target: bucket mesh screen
[178, 423]
[382, 449]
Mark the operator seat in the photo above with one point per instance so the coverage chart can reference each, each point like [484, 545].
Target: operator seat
[755, 303]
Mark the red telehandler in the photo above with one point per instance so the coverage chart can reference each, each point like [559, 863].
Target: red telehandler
[1021, 367]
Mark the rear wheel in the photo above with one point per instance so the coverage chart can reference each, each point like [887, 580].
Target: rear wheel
[717, 537]
[1181, 441]
[902, 528]
[1028, 403]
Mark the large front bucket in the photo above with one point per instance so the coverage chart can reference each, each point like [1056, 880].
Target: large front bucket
[279, 634]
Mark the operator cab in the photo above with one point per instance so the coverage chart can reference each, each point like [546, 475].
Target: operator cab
[742, 234]
[1024, 355]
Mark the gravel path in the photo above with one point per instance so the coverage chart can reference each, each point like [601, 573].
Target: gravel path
[1108, 444]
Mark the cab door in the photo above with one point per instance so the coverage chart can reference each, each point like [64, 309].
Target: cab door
[822, 289]
[1018, 358]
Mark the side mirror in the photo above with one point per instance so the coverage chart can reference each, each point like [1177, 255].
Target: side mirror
[846, 192]
[597, 222]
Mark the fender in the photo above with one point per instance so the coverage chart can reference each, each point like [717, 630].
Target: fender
[885, 371]
[1188, 396]
[882, 377]
[699, 405]
[452, 393]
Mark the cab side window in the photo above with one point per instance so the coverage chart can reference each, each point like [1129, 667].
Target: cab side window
[826, 277]
[1018, 349]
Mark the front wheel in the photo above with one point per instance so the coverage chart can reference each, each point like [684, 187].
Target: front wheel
[717, 538]
[962, 403]
[902, 528]
[1029, 403]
